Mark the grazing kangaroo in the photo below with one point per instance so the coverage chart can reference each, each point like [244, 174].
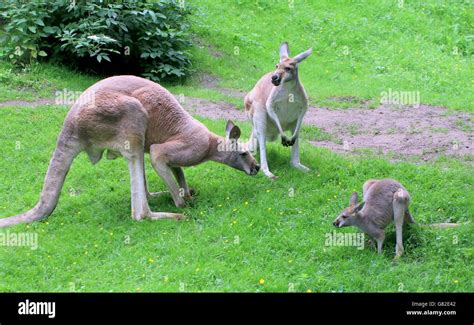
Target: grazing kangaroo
[128, 116]
[276, 104]
[384, 200]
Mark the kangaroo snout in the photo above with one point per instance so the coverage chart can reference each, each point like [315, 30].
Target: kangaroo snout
[276, 80]
[255, 169]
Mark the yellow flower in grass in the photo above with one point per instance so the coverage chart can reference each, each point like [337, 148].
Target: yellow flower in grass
[261, 281]
[151, 261]
[309, 291]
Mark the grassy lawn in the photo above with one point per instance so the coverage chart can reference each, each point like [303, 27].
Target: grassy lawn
[248, 233]
[360, 51]
[359, 48]
[241, 229]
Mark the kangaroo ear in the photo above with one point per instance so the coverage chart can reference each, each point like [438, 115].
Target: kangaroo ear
[284, 51]
[359, 207]
[300, 57]
[353, 200]
[232, 131]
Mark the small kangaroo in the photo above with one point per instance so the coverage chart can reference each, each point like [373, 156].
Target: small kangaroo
[278, 103]
[128, 116]
[384, 200]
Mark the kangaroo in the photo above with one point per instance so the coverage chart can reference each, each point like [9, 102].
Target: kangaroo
[384, 200]
[276, 104]
[128, 116]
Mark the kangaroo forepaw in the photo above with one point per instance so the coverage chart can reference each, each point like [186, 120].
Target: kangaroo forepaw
[286, 142]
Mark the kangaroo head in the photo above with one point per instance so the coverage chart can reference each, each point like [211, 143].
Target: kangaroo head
[235, 154]
[349, 215]
[287, 68]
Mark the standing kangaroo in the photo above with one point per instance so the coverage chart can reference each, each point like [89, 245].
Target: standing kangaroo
[128, 116]
[278, 103]
[385, 201]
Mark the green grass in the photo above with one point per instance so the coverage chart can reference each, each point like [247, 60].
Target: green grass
[241, 229]
[39, 81]
[361, 48]
[42, 80]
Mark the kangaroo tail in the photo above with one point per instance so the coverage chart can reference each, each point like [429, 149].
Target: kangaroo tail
[401, 201]
[59, 165]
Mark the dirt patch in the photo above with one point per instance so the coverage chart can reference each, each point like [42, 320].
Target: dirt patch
[24, 103]
[212, 82]
[426, 131]
[210, 48]
[213, 110]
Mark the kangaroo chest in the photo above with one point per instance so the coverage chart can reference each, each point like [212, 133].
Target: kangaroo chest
[288, 106]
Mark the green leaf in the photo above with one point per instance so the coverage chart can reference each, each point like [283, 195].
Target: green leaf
[49, 30]
[42, 53]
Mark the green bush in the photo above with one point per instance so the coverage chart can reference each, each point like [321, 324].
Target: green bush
[149, 38]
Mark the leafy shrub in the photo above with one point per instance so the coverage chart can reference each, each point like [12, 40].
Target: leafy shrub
[132, 36]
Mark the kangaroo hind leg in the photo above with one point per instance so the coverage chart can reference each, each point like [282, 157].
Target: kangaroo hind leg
[400, 204]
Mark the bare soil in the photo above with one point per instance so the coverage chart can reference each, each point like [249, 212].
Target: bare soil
[425, 131]
[36, 103]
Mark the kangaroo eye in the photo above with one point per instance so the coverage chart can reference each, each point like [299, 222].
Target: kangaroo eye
[287, 69]
[276, 66]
